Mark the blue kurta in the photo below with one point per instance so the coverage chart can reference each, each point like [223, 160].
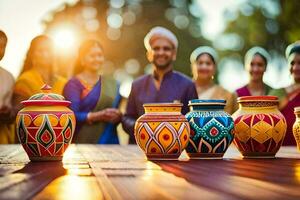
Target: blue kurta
[175, 86]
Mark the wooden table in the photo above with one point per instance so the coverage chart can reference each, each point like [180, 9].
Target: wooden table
[122, 172]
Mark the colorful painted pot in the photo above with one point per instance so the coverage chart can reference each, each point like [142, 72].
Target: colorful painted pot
[45, 126]
[259, 126]
[296, 127]
[162, 132]
[211, 129]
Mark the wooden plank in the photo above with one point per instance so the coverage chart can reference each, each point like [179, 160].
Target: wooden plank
[71, 187]
[122, 172]
[13, 154]
[108, 189]
[26, 182]
[132, 182]
[241, 179]
[123, 176]
[231, 177]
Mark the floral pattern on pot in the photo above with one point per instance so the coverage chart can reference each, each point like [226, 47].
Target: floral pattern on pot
[211, 129]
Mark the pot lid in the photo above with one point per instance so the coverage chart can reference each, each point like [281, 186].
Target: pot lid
[297, 109]
[194, 102]
[46, 98]
[257, 98]
[162, 104]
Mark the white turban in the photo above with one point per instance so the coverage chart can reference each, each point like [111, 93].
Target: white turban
[256, 50]
[202, 50]
[159, 31]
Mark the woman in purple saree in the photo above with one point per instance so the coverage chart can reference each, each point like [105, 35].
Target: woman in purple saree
[95, 98]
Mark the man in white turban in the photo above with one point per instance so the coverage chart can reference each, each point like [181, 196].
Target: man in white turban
[163, 85]
[160, 32]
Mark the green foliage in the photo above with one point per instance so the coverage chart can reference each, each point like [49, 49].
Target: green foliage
[273, 32]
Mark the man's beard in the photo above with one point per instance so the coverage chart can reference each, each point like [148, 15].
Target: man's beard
[163, 66]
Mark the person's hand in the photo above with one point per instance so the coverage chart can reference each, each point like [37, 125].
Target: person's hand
[111, 115]
[4, 109]
[95, 116]
[5, 113]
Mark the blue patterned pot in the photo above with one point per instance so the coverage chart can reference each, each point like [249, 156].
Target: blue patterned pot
[211, 129]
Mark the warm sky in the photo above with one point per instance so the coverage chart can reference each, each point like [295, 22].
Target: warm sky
[21, 20]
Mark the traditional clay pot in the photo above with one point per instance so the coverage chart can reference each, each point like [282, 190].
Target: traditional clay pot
[259, 126]
[211, 129]
[45, 126]
[162, 132]
[296, 127]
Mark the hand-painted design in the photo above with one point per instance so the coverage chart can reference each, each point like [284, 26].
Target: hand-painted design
[210, 132]
[45, 126]
[211, 129]
[34, 149]
[296, 127]
[45, 135]
[162, 132]
[58, 147]
[22, 131]
[259, 132]
[296, 132]
[48, 140]
[163, 138]
[67, 131]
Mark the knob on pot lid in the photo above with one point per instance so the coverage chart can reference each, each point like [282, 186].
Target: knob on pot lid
[46, 98]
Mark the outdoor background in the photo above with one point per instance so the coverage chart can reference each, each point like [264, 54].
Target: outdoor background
[230, 26]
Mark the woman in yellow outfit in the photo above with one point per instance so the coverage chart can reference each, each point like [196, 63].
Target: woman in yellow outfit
[37, 71]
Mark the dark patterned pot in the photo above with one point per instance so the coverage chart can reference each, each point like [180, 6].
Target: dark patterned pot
[45, 126]
[211, 129]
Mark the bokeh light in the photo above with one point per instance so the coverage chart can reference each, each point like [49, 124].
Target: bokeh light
[181, 21]
[129, 18]
[132, 66]
[89, 12]
[92, 25]
[113, 33]
[114, 20]
[64, 38]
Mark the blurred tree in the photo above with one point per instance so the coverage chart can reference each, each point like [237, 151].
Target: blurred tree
[272, 24]
[121, 26]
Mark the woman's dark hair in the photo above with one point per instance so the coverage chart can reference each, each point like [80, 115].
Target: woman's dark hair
[263, 57]
[211, 57]
[83, 50]
[295, 49]
[3, 35]
[33, 45]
